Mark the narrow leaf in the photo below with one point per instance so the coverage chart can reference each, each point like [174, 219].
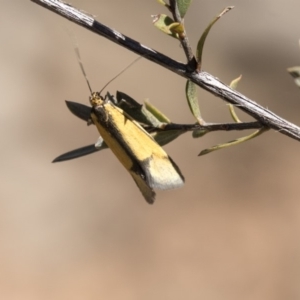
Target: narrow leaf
[137, 111]
[82, 151]
[234, 142]
[165, 137]
[199, 133]
[295, 73]
[177, 29]
[162, 3]
[183, 6]
[201, 42]
[233, 85]
[191, 96]
[165, 23]
[161, 117]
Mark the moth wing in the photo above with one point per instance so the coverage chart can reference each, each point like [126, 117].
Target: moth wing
[143, 186]
[159, 169]
[162, 173]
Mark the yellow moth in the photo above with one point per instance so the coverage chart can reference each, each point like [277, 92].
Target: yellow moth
[148, 164]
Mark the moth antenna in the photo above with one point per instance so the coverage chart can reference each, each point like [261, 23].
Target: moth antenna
[77, 52]
[110, 81]
[81, 67]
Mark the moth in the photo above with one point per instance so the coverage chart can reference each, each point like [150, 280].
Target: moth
[146, 161]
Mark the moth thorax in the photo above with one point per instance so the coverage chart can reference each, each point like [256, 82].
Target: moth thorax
[96, 99]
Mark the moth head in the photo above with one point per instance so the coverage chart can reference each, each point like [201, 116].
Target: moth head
[96, 99]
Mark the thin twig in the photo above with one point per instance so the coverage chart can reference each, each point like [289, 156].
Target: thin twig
[202, 79]
[192, 63]
[213, 126]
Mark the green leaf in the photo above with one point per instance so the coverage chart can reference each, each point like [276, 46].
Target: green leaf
[177, 29]
[165, 137]
[234, 142]
[199, 133]
[233, 85]
[183, 6]
[191, 96]
[146, 114]
[162, 3]
[295, 73]
[135, 110]
[156, 113]
[166, 25]
[202, 39]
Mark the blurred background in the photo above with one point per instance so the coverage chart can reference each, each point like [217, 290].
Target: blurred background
[81, 229]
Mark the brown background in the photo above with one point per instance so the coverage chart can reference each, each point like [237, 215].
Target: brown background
[80, 229]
